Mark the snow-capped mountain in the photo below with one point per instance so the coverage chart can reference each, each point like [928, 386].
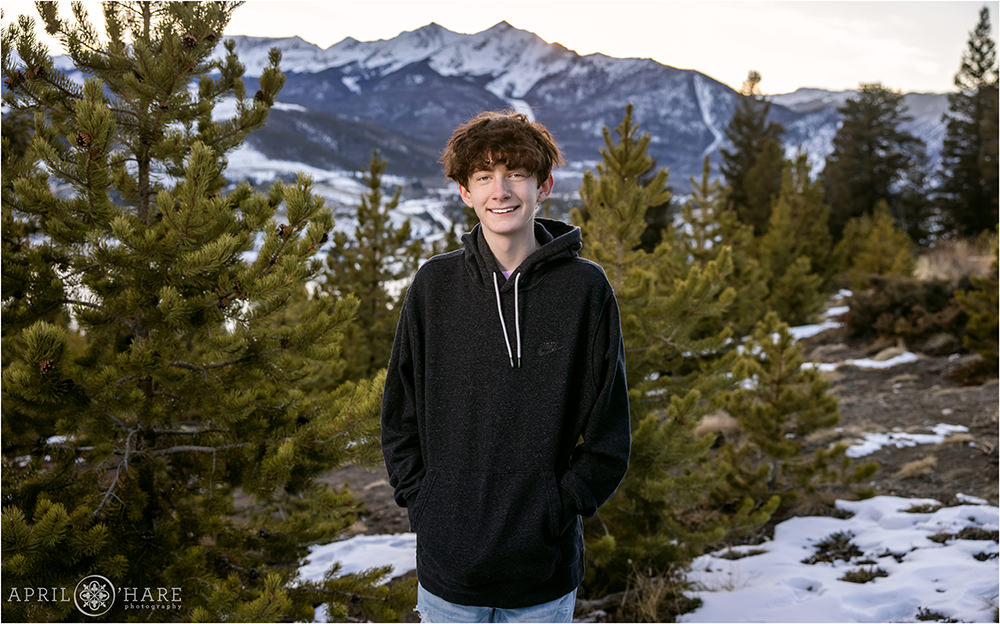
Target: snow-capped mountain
[925, 110]
[404, 95]
[514, 60]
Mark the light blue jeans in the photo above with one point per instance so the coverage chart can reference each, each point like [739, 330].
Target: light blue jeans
[435, 609]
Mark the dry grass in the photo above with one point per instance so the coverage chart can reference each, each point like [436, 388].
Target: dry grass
[718, 423]
[648, 595]
[978, 533]
[917, 469]
[650, 598]
[828, 436]
[864, 575]
[842, 434]
[733, 555]
[959, 438]
[859, 429]
[924, 508]
[836, 546]
[954, 259]
[926, 615]
[818, 503]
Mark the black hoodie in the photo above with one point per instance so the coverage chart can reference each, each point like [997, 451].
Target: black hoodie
[501, 427]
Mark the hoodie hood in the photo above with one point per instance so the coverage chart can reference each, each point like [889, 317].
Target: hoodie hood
[557, 241]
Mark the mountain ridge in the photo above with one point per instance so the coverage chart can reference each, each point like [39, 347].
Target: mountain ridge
[423, 82]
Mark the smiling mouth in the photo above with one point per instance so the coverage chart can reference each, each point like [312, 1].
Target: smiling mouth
[502, 210]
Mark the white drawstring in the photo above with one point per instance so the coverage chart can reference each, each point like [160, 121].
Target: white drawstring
[517, 320]
[503, 325]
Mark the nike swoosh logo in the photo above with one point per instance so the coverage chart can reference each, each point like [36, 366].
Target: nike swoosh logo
[547, 348]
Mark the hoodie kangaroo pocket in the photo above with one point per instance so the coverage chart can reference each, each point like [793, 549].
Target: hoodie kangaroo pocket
[478, 528]
[418, 505]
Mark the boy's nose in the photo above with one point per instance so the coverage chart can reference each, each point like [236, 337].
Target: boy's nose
[500, 189]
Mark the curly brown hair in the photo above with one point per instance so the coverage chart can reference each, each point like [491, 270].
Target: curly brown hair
[494, 138]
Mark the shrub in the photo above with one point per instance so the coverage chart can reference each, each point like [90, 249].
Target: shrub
[925, 315]
[980, 303]
[871, 246]
[833, 547]
[863, 575]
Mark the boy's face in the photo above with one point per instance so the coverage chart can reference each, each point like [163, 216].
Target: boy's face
[505, 199]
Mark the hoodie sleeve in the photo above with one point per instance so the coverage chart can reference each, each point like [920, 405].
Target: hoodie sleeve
[599, 462]
[400, 440]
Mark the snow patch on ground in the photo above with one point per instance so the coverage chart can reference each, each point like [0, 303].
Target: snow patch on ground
[357, 554]
[802, 332]
[775, 585]
[829, 321]
[361, 553]
[873, 442]
[903, 358]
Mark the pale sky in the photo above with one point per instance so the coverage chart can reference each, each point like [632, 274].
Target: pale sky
[907, 46]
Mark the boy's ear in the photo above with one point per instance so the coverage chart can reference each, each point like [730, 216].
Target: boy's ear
[545, 188]
[466, 196]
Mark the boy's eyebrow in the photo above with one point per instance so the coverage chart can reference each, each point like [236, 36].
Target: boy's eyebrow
[489, 168]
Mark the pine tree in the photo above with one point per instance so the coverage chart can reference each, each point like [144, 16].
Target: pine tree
[28, 263]
[657, 521]
[916, 213]
[449, 242]
[752, 169]
[452, 238]
[870, 156]
[150, 374]
[379, 256]
[709, 228]
[968, 192]
[873, 245]
[796, 248]
[612, 219]
[981, 303]
[779, 406]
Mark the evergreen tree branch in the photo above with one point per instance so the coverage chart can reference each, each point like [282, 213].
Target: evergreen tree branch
[184, 448]
[236, 130]
[86, 304]
[201, 369]
[239, 360]
[171, 395]
[186, 432]
[354, 596]
[118, 422]
[70, 447]
[69, 94]
[118, 469]
[601, 604]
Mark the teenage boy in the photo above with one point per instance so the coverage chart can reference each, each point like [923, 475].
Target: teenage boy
[505, 412]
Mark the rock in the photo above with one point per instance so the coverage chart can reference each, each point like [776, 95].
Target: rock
[888, 354]
[941, 343]
[837, 352]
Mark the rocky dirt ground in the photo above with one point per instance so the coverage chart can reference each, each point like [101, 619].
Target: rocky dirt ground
[914, 397]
